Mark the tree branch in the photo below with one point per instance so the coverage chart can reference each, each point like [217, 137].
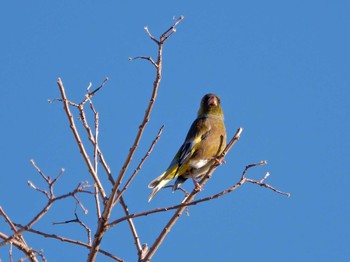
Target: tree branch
[18, 241]
[102, 225]
[51, 200]
[140, 165]
[21, 246]
[78, 140]
[68, 240]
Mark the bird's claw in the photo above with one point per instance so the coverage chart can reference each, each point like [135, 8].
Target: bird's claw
[219, 161]
[197, 186]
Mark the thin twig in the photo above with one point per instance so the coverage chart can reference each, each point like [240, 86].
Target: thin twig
[267, 186]
[87, 229]
[57, 177]
[96, 147]
[47, 180]
[132, 227]
[138, 168]
[97, 202]
[40, 172]
[150, 35]
[78, 140]
[31, 184]
[93, 138]
[90, 95]
[171, 30]
[150, 59]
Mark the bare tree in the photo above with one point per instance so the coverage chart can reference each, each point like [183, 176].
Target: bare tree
[104, 202]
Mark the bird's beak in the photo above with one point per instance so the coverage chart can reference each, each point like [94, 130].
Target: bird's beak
[212, 101]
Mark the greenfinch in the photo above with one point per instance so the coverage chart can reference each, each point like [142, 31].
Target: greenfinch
[204, 142]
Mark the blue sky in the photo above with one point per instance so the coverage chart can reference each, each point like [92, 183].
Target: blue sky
[282, 71]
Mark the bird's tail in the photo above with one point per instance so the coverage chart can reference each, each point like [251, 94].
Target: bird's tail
[158, 183]
[179, 181]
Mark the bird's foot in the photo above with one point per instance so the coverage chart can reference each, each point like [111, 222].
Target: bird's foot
[219, 161]
[197, 186]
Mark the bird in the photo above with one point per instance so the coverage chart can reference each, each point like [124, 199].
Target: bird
[205, 141]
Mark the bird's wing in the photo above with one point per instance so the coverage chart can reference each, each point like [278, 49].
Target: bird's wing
[197, 133]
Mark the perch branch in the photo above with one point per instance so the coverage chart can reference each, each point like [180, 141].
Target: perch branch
[187, 200]
[220, 194]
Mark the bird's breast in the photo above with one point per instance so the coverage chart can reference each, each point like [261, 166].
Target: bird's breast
[199, 163]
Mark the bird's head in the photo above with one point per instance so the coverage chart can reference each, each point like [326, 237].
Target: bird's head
[210, 105]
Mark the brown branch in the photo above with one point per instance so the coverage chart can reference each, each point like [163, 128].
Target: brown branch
[150, 35]
[78, 140]
[121, 201]
[29, 252]
[97, 152]
[93, 138]
[96, 149]
[68, 240]
[40, 172]
[150, 59]
[89, 95]
[146, 117]
[30, 224]
[81, 223]
[56, 178]
[120, 193]
[104, 164]
[103, 222]
[94, 141]
[132, 227]
[138, 168]
[12, 226]
[31, 184]
[47, 179]
[52, 199]
[267, 186]
[171, 30]
[20, 239]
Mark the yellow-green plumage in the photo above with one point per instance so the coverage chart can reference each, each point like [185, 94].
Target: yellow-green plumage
[205, 140]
